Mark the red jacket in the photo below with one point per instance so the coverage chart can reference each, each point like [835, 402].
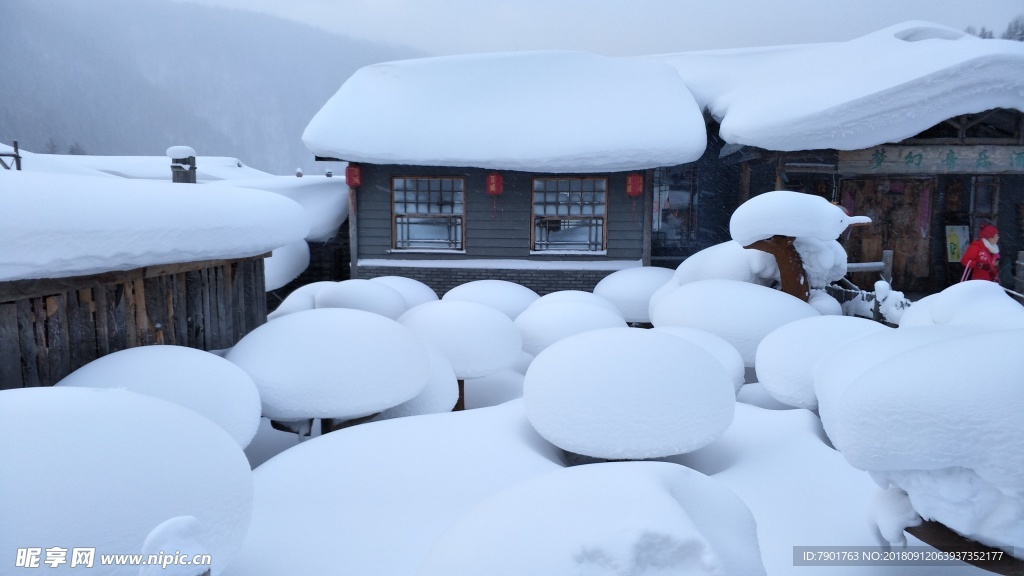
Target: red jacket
[981, 263]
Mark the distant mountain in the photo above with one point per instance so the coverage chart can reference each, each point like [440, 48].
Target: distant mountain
[133, 77]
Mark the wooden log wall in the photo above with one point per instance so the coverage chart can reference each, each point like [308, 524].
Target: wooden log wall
[51, 327]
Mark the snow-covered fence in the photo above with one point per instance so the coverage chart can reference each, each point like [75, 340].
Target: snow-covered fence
[15, 157]
[50, 327]
[884, 267]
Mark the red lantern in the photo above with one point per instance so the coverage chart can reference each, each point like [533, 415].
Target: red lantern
[354, 175]
[495, 184]
[634, 185]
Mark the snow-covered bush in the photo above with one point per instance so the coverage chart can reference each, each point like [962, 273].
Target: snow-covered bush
[508, 297]
[630, 289]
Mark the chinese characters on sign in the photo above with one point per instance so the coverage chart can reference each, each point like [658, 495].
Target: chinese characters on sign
[933, 160]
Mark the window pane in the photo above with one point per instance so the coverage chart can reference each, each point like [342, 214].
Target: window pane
[575, 185]
[446, 184]
[563, 185]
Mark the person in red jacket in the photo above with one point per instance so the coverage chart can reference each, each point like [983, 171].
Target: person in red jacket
[981, 259]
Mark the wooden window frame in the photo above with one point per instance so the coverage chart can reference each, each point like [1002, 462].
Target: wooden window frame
[458, 245]
[535, 246]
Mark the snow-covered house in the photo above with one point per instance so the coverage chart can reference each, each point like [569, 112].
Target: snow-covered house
[918, 126]
[482, 166]
[93, 264]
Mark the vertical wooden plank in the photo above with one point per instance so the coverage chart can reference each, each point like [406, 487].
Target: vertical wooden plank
[260, 280]
[81, 329]
[57, 342]
[154, 295]
[194, 309]
[29, 347]
[146, 333]
[129, 323]
[10, 348]
[115, 312]
[224, 309]
[209, 306]
[238, 301]
[251, 297]
[102, 320]
[39, 332]
[180, 310]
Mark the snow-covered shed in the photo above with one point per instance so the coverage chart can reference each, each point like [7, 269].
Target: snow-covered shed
[96, 264]
[462, 160]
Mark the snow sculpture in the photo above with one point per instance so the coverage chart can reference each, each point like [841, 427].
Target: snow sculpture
[334, 363]
[800, 231]
[509, 297]
[628, 393]
[117, 464]
[638, 517]
[739, 312]
[630, 290]
[786, 357]
[198, 380]
[477, 339]
[362, 295]
[414, 291]
[946, 434]
[544, 323]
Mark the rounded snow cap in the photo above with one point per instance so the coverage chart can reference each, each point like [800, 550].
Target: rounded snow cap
[988, 231]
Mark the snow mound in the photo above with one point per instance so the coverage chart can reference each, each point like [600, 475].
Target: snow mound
[723, 351]
[577, 296]
[786, 357]
[632, 518]
[477, 339]
[544, 323]
[739, 312]
[285, 264]
[439, 395]
[364, 295]
[414, 291]
[302, 298]
[786, 213]
[947, 433]
[630, 290]
[324, 200]
[582, 397]
[198, 380]
[972, 302]
[117, 465]
[332, 363]
[508, 297]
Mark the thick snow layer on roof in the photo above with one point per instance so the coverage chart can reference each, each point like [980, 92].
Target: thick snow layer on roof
[534, 111]
[639, 517]
[109, 467]
[324, 199]
[54, 226]
[208, 168]
[882, 87]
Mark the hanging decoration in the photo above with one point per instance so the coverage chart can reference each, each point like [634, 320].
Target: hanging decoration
[634, 189]
[495, 186]
[354, 175]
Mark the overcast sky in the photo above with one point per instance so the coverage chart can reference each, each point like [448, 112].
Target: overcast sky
[622, 27]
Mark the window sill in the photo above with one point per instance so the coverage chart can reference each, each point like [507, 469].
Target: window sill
[424, 251]
[568, 252]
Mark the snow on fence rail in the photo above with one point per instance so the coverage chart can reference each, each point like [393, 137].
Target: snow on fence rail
[51, 327]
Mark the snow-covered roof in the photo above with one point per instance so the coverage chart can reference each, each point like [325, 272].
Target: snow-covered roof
[59, 225]
[578, 112]
[882, 87]
[536, 111]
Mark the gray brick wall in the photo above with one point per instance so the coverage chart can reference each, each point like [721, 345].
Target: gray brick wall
[540, 281]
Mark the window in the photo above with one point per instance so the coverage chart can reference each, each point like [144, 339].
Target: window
[984, 201]
[675, 207]
[569, 214]
[428, 213]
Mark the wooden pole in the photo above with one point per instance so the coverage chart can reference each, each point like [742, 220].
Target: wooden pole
[791, 266]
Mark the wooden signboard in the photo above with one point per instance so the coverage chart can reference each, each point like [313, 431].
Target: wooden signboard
[933, 160]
